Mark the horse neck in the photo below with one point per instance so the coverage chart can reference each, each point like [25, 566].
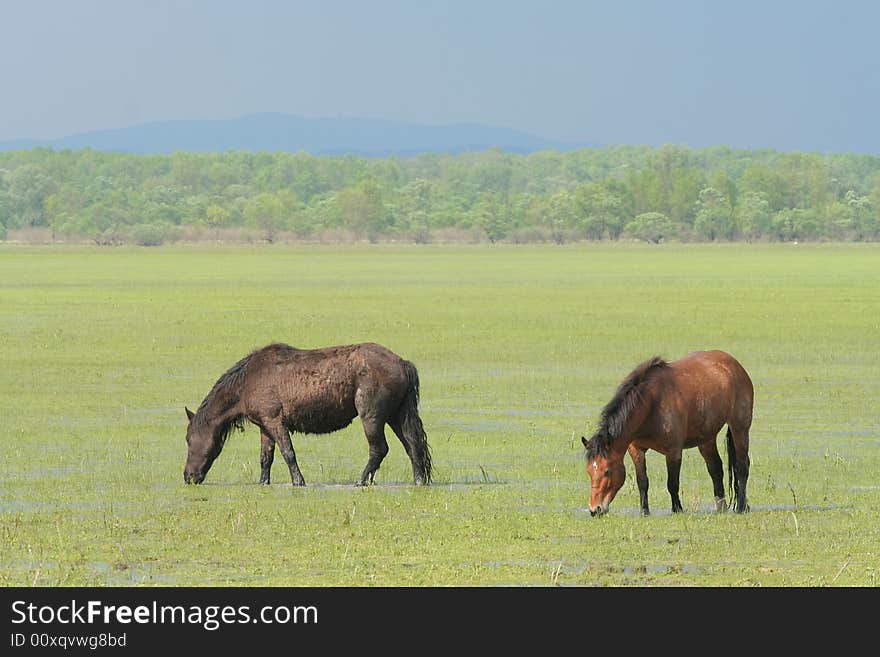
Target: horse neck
[635, 419]
[619, 445]
[220, 409]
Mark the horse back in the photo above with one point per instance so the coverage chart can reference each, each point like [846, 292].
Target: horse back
[319, 390]
[715, 365]
[712, 389]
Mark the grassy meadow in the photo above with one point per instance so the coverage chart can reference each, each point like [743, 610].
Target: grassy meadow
[518, 348]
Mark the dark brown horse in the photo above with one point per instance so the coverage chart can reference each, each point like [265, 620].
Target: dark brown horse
[669, 407]
[281, 389]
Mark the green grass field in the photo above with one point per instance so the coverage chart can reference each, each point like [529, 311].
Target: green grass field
[518, 349]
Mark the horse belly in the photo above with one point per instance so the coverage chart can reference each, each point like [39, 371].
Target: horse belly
[671, 428]
[319, 416]
[705, 423]
[698, 439]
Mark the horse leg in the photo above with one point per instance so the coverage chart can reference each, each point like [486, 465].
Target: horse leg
[398, 431]
[278, 432]
[673, 471]
[267, 455]
[638, 459]
[418, 453]
[738, 455]
[709, 451]
[375, 431]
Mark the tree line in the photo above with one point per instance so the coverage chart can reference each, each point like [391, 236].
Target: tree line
[644, 193]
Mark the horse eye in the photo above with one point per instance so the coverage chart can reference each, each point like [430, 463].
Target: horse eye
[608, 473]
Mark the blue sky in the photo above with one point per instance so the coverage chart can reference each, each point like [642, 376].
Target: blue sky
[768, 74]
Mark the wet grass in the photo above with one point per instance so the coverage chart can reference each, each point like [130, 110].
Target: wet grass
[518, 348]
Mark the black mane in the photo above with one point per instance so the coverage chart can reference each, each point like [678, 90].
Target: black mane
[223, 395]
[625, 400]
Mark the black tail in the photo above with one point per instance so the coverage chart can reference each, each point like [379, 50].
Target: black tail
[732, 485]
[413, 431]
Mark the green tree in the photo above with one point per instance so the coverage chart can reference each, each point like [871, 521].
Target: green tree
[363, 210]
[600, 210]
[793, 224]
[29, 186]
[489, 214]
[652, 227]
[414, 204]
[216, 218]
[5, 210]
[763, 180]
[805, 179]
[105, 223]
[104, 196]
[558, 215]
[668, 183]
[55, 209]
[714, 216]
[872, 222]
[864, 218]
[6, 204]
[267, 212]
[839, 221]
[753, 217]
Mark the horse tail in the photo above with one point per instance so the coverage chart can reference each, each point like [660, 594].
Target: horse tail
[412, 428]
[732, 486]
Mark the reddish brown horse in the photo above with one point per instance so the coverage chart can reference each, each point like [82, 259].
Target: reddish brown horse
[669, 407]
[281, 389]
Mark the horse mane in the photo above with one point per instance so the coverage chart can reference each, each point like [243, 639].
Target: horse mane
[224, 394]
[625, 400]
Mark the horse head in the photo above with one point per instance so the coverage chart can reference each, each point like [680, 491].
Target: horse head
[203, 446]
[607, 474]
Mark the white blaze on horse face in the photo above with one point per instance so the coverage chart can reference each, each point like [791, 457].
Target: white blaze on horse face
[594, 475]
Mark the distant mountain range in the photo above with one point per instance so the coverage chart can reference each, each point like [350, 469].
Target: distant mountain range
[283, 132]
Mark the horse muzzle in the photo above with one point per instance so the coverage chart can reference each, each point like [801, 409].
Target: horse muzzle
[600, 510]
[193, 477]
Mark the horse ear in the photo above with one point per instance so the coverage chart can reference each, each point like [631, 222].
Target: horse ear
[189, 413]
[584, 441]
